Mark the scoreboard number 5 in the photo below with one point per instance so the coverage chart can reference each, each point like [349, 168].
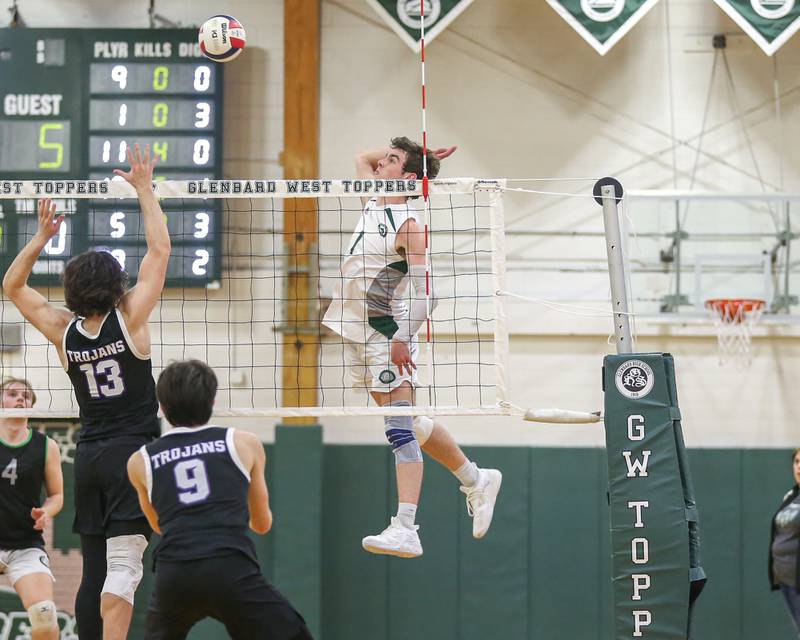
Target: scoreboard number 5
[47, 145]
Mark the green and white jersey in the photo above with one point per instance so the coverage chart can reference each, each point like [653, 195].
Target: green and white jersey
[370, 293]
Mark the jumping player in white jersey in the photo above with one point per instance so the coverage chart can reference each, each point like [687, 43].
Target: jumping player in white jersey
[103, 341]
[378, 309]
[29, 460]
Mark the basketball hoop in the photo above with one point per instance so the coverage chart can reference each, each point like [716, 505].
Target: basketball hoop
[734, 319]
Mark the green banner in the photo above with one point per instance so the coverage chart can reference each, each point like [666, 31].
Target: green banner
[654, 523]
[405, 17]
[770, 23]
[602, 23]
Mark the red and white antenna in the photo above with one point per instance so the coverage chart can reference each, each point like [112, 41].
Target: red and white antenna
[425, 204]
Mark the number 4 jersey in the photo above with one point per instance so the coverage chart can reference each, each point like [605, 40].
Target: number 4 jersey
[113, 383]
[21, 481]
[198, 487]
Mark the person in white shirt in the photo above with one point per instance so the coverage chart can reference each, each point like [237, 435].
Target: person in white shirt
[378, 308]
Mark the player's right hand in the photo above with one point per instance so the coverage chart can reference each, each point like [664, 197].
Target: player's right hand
[48, 223]
[401, 357]
[40, 518]
[141, 174]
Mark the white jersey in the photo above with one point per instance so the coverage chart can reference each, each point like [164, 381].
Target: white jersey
[370, 293]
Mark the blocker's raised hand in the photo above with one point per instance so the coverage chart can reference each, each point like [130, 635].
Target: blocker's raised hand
[48, 223]
[140, 176]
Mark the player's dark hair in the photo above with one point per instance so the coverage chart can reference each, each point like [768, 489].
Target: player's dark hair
[186, 391]
[23, 382]
[414, 161]
[794, 453]
[94, 283]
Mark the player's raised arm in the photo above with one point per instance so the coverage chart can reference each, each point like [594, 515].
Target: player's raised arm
[139, 302]
[136, 475]
[251, 452]
[367, 162]
[54, 487]
[46, 317]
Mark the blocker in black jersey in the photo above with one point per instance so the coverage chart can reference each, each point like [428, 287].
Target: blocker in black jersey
[206, 563]
[113, 383]
[197, 483]
[21, 482]
[116, 394]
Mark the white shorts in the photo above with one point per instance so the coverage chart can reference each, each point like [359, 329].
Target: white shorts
[18, 563]
[370, 364]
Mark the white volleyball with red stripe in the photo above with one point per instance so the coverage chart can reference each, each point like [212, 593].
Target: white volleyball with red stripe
[222, 38]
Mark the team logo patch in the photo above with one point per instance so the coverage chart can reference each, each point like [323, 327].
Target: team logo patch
[382, 229]
[602, 10]
[770, 23]
[772, 9]
[387, 377]
[410, 12]
[634, 379]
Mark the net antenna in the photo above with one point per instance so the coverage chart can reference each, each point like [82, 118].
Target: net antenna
[425, 187]
[734, 319]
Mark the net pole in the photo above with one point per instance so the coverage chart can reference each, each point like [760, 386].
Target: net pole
[616, 271]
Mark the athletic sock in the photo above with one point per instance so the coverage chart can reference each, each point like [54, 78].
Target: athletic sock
[467, 473]
[407, 513]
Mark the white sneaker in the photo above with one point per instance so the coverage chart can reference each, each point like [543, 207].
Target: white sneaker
[481, 498]
[395, 540]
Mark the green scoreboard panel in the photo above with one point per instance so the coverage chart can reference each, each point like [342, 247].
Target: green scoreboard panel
[73, 102]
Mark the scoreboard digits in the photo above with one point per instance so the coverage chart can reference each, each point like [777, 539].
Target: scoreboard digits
[165, 79]
[40, 146]
[74, 101]
[126, 115]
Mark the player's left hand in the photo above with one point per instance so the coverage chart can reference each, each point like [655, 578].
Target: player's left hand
[401, 357]
[49, 224]
[444, 152]
[142, 164]
[40, 518]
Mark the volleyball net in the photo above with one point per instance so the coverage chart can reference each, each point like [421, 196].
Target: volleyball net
[253, 267]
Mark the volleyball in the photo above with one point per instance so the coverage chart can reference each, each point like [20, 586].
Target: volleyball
[222, 38]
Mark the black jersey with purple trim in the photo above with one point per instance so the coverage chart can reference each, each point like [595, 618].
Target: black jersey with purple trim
[21, 482]
[198, 486]
[113, 383]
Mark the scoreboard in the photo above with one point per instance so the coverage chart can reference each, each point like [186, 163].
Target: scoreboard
[72, 102]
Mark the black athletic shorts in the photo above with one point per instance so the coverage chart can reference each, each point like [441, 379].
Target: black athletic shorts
[228, 588]
[105, 501]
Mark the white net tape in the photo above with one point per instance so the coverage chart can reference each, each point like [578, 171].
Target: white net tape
[734, 320]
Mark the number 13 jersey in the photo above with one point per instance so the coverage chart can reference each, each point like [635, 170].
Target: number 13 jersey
[113, 383]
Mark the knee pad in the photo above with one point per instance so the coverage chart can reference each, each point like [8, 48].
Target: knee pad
[124, 565]
[43, 616]
[400, 434]
[423, 427]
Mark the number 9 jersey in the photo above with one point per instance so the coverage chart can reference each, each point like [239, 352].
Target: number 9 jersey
[199, 487]
[113, 382]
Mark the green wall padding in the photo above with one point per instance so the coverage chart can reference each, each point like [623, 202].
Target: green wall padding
[571, 552]
[542, 572]
[296, 469]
